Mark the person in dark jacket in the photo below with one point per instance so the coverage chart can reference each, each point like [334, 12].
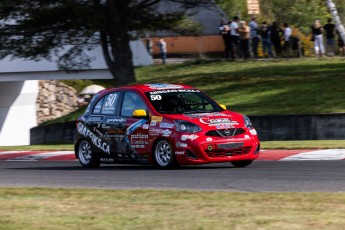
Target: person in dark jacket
[330, 37]
[276, 36]
[266, 40]
[224, 30]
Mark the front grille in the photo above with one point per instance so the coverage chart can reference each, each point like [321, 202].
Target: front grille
[225, 132]
[229, 152]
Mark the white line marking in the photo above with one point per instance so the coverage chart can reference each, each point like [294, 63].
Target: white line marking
[327, 154]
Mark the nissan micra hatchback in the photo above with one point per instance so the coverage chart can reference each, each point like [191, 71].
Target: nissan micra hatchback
[162, 124]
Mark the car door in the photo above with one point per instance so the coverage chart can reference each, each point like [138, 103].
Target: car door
[105, 124]
[137, 129]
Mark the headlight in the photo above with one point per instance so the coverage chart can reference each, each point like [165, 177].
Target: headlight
[187, 127]
[247, 122]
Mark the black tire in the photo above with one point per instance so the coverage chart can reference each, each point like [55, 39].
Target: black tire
[163, 155]
[241, 164]
[86, 155]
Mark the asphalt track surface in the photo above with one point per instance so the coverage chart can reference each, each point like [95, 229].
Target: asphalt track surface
[261, 176]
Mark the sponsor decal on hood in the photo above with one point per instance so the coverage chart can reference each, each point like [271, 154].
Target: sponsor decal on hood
[216, 121]
[164, 86]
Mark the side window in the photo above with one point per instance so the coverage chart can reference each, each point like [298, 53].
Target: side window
[131, 102]
[98, 106]
[109, 105]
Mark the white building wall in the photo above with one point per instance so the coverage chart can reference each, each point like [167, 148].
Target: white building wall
[17, 111]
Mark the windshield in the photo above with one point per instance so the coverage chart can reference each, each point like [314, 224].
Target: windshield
[179, 101]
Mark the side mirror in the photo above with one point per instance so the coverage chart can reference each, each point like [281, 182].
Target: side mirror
[223, 106]
[139, 113]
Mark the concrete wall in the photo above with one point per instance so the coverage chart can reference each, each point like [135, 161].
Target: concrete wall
[300, 127]
[269, 128]
[59, 132]
[17, 111]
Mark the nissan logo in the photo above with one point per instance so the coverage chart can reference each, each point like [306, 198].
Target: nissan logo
[227, 132]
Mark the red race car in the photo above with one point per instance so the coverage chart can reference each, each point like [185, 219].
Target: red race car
[162, 124]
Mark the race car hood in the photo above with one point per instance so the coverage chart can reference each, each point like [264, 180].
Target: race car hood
[227, 119]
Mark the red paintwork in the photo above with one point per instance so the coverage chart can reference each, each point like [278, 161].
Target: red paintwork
[201, 142]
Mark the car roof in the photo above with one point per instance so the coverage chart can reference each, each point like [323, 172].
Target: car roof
[149, 87]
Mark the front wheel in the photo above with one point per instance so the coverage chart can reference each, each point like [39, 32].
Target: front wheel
[163, 155]
[87, 156]
[241, 164]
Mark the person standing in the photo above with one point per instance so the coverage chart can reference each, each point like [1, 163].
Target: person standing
[163, 49]
[287, 40]
[253, 25]
[330, 35]
[276, 34]
[244, 35]
[317, 30]
[224, 30]
[234, 37]
[266, 40]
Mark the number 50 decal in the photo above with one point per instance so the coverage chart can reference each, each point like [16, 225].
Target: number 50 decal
[110, 100]
[156, 97]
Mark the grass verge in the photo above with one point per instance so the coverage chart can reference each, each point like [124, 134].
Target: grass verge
[41, 208]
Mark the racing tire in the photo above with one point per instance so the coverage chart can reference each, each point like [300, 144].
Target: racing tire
[163, 155]
[86, 155]
[241, 164]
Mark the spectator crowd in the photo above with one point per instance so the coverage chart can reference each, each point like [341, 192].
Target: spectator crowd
[276, 39]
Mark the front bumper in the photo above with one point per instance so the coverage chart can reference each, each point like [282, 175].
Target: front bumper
[218, 151]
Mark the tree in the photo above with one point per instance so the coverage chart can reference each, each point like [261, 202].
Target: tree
[340, 27]
[68, 29]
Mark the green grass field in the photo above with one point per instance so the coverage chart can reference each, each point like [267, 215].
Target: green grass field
[41, 208]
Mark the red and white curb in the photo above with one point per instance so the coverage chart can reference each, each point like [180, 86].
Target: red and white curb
[266, 155]
[37, 156]
[302, 155]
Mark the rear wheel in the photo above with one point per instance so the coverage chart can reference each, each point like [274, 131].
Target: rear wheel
[241, 164]
[87, 156]
[163, 155]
